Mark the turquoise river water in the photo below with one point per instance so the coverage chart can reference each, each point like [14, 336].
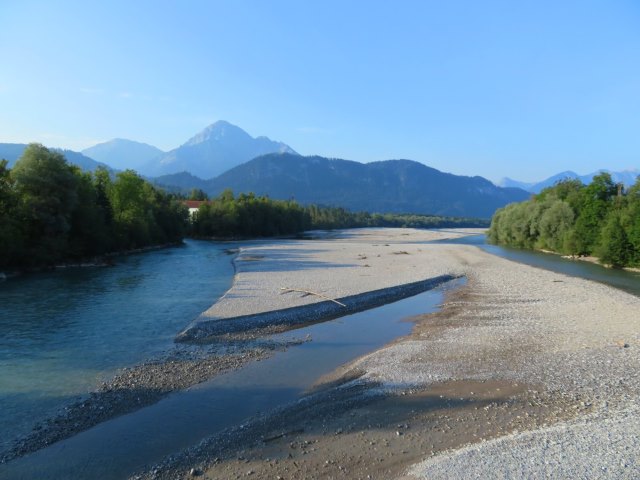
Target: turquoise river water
[63, 332]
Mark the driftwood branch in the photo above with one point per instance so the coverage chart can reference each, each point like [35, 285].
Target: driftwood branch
[307, 292]
[276, 437]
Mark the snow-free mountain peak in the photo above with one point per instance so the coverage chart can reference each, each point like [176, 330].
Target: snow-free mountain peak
[214, 150]
[220, 131]
[121, 153]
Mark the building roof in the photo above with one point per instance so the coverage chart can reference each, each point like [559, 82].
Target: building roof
[193, 203]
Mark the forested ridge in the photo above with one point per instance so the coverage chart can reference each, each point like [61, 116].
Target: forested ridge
[600, 219]
[52, 212]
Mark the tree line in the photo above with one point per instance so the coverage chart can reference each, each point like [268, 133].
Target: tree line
[601, 219]
[52, 212]
[248, 215]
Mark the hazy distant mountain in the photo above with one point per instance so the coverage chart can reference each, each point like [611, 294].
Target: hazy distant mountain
[552, 180]
[627, 177]
[13, 151]
[507, 182]
[122, 154]
[216, 149]
[388, 186]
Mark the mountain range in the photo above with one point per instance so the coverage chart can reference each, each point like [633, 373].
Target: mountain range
[224, 156]
[214, 150]
[401, 186]
[626, 177]
[122, 154]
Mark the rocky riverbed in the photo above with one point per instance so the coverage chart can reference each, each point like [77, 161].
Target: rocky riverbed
[518, 360]
[521, 356]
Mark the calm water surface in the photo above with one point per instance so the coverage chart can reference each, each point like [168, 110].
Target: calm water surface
[61, 333]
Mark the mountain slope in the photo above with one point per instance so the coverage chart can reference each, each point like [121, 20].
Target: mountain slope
[13, 151]
[216, 149]
[180, 182]
[389, 186]
[121, 153]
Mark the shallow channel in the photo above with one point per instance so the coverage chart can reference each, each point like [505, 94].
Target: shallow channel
[623, 279]
[118, 448]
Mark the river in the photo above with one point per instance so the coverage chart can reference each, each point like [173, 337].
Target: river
[623, 279]
[63, 332]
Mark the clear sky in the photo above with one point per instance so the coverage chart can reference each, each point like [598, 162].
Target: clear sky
[523, 89]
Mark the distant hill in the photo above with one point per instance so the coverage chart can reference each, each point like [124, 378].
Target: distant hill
[13, 151]
[627, 177]
[216, 149]
[507, 182]
[123, 154]
[401, 186]
[182, 182]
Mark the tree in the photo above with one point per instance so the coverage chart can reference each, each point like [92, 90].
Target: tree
[594, 205]
[47, 188]
[11, 238]
[198, 194]
[555, 224]
[614, 248]
[89, 234]
[130, 210]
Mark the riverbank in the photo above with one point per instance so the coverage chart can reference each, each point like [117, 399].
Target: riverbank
[145, 384]
[517, 349]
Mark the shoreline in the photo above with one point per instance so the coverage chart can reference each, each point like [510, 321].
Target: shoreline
[258, 324]
[144, 384]
[516, 349]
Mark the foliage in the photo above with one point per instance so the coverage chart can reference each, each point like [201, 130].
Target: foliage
[248, 215]
[598, 219]
[51, 211]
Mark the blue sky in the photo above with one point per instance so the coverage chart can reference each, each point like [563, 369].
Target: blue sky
[522, 89]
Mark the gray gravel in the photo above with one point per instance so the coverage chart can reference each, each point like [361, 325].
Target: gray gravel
[595, 447]
[572, 345]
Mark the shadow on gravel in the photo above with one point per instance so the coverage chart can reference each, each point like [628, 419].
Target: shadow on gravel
[321, 430]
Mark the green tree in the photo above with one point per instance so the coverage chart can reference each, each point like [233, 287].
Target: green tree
[614, 249]
[11, 237]
[130, 210]
[47, 188]
[89, 234]
[593, 209]
[198, 194]
[555, 224]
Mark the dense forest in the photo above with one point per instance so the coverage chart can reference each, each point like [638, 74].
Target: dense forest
[51, 211]
[250, 216]
[601, 219]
